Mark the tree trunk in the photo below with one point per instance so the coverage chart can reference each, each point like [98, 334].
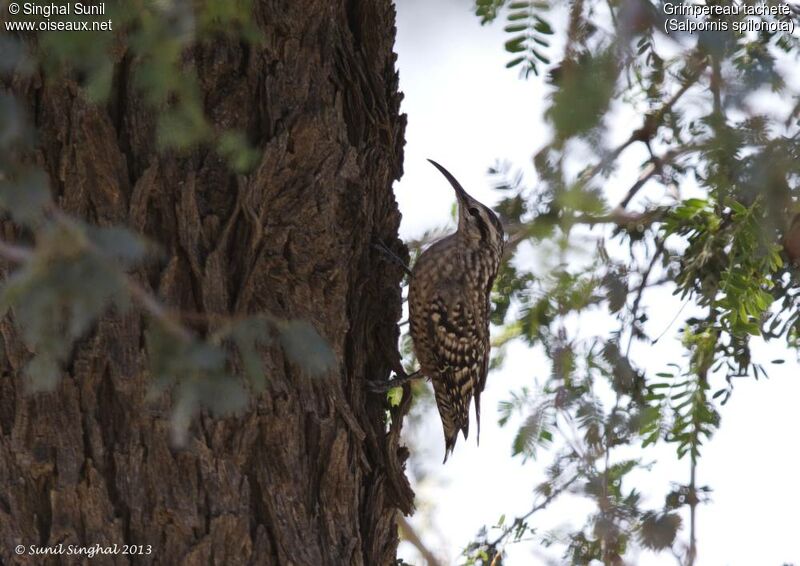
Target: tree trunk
[308, 475]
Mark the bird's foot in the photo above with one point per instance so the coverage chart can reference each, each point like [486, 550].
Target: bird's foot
[399, 380]
[391, 256]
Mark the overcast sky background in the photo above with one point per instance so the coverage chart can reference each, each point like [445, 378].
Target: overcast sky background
[466, 111]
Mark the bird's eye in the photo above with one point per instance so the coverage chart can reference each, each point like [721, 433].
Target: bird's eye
[473, 211]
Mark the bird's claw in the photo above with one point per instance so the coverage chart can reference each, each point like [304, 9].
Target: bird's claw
[375, 386]
[398, 381]
[391, 256]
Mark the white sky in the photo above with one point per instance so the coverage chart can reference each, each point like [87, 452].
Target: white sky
[466, 110]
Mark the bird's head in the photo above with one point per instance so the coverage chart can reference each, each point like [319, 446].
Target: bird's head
[476, 221]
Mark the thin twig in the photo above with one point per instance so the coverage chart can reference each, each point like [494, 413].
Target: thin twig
[622, 218]
[408, 533]
[613, 15]
[654, 166]
[606, 467]
[547, 500]
[572, 441]
[635, 309]
[168, 318]
[692, 499]
[691, 555]
[650, 125]
[716, 81]
[20, 254]
[648, 173]
[573, 29]
[609, 158]
[14, 253]
[157, 310]
[671, 322]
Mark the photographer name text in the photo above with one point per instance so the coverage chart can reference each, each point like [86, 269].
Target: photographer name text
[73, 9]
[90, 551]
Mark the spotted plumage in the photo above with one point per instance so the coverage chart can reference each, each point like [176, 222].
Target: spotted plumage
[449, 311]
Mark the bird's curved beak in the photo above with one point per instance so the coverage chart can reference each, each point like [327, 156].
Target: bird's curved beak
[461, 194]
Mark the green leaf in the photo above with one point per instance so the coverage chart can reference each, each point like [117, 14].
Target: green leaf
[658, 530]
[235, 148]
[585, 90]
[118, 244]
[394, 396]
[249, 334]
[43, 374]
[533, 432]
[514, 62]
[516, 45]
[25, 197]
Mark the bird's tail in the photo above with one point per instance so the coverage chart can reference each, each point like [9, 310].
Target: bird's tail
[478, 414]
[454, 411]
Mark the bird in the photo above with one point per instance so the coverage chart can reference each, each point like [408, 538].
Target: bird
[449, 308]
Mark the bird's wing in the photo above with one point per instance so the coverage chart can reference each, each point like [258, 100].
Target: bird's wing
[485, 339]
[460, 358]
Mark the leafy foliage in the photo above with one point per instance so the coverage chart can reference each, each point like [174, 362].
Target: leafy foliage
[529, 30]
[65, 275]
[585, 87]
[711, 219]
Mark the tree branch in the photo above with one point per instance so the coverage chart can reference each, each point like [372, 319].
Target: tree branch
[519, 520]
[691, 555]
[408, 533]
[573, 29]
[644, 134]
[14, 253]
[645, 276]
[19, 254]
[619, 216]
[653, 166]
[650, 170]
[651, 122]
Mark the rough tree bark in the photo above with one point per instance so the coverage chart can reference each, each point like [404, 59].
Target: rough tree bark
[307, 476]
